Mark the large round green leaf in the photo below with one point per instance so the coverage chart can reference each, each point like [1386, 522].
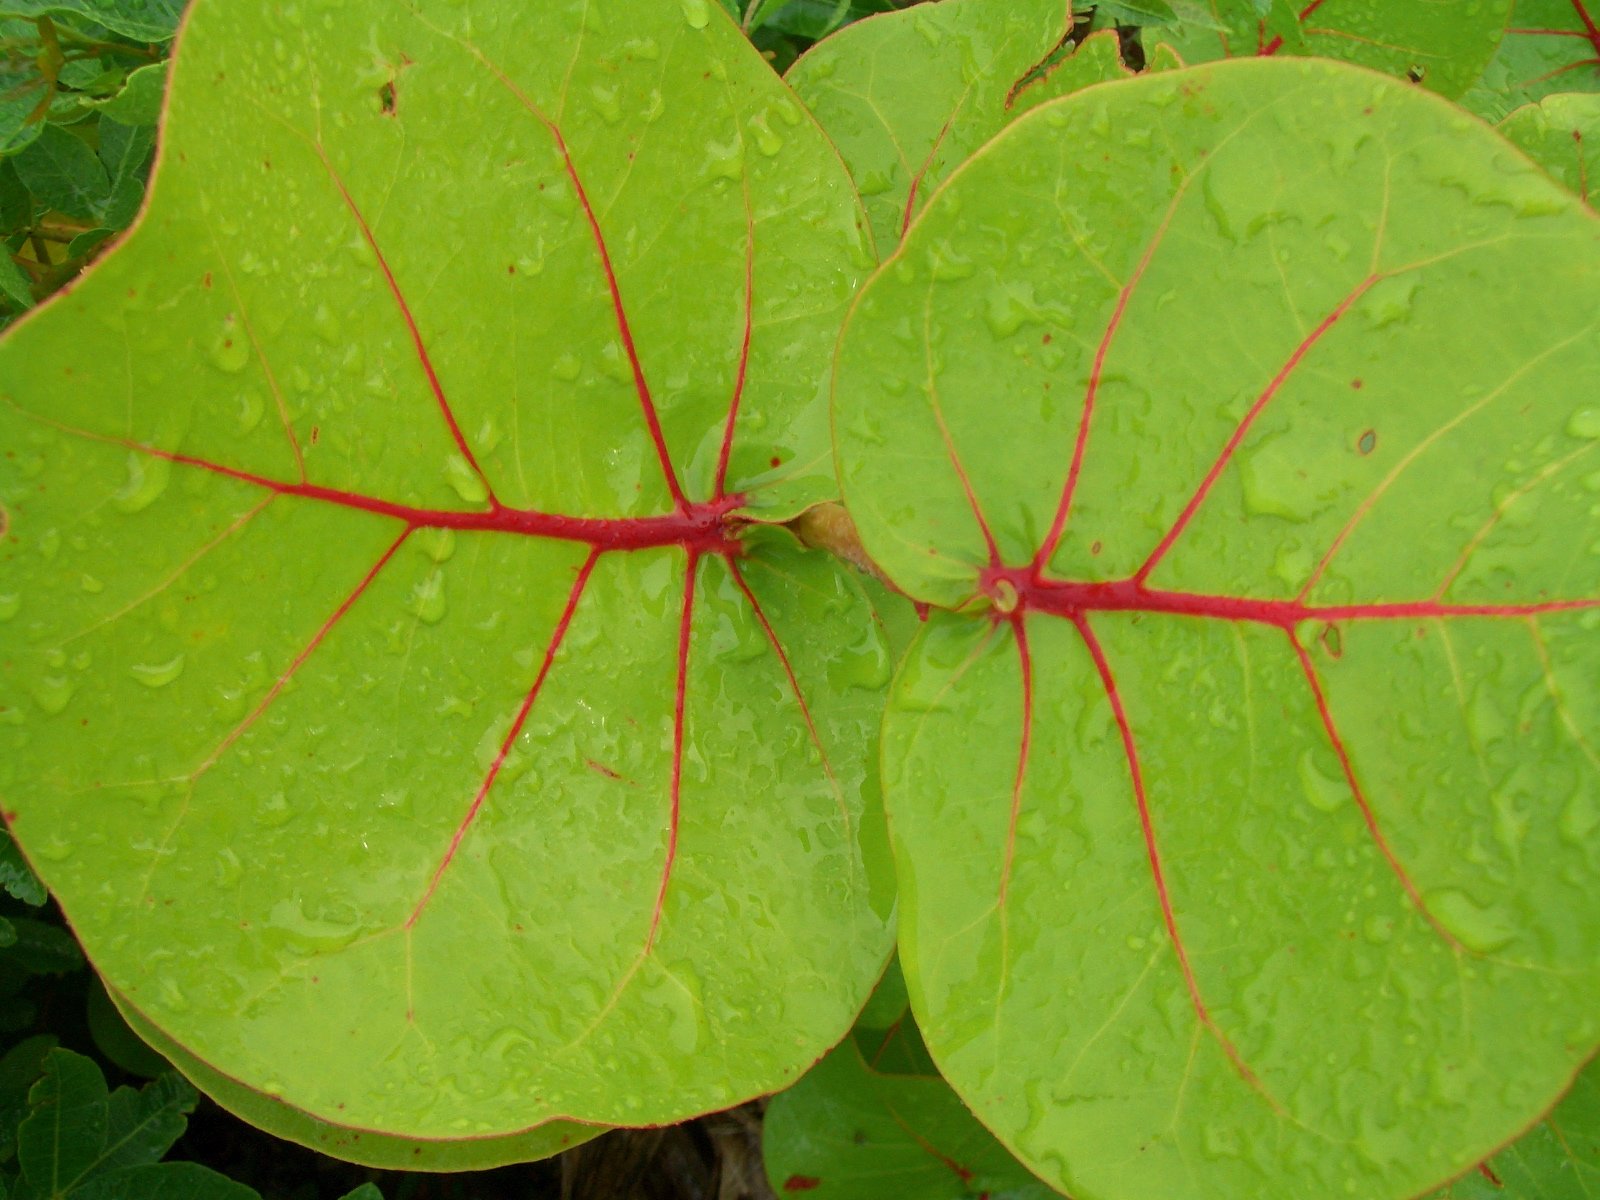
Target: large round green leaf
[1246, 838]
[1445, 47]
[391, 696]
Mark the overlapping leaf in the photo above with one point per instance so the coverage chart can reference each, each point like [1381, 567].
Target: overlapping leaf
[1562, 134]
[390, 696]
[1552, 46]
[1559, 1160]
[1445, 47]
[1244, 844]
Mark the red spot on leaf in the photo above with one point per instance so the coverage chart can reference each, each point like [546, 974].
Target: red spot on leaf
[801, 1183]
[1358, 384]
[1487, 1172]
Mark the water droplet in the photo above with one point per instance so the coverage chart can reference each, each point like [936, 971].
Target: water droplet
[158, 675]
[605, 103]
[10, 606]
[767, 141]
[1484, 929]
[438, 544]
[566, 367]
[1324, 790]
[52, 693]
[468, 484]
[231, 350]
[1579, 819]
[1585, 424]
[428, 599]
[274, 811]
[147, 479]
[696, 12]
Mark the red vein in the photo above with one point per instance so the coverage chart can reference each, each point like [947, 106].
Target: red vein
[678, 709]
[1147, 824]
[1063, 509]
[1367, 814]
[950, 450]
[301, 658]
[1243, 429]
[962, 1173]
[1276, 43]
[563, 623]
[927, 165]
[411, 322]
[794, 686]
[1074, 600]
[744, 348]
[1019, 628]
[701, 527]
[624, 328]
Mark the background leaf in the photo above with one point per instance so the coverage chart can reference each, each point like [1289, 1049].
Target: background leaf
[1552, 46]
[411, 520]
[1244, 800]
[141, 20]
[1445, 47]
[848, 1132]
[64, 173]
[64, 1134]
[1562, 134]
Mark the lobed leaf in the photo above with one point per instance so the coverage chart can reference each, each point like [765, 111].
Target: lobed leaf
[1244, 830]
[409, 708]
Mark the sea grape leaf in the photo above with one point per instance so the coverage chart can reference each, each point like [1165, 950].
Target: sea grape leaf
[64, 173]
[360, 1146]
[849, 1132]
[1552, 46]
[907, 96]
[1244, 842]
[1562, 134]
[138, 101]
[1558, 1160]
[1445, 47]
[403, 706]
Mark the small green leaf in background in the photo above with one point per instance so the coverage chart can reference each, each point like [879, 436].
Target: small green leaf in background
[20, 1069]
[1551, 46]
[1558, 1160]
[43, 948]
[848, 1132]
[1562, 134]
[138, 102]
[367, 1191]
[65, 174]
[16, 876]
[125, 152]
[115, 1040]
[64, 1133]
[908, 96]
[1445, 46]
[139, 20]
[20, 91]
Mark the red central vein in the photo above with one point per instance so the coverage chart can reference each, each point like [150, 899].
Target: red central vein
[1591, 29]
[1147, 824]
[1075, 600]
[624, 328]
[679, 707]
[563, 623]
[1367, 814]
[927, 165]
[701, 527]
[411, 322]
[301, 658]
[1244, 426]
[726, 454]
[1276, 43]
[1020, 630]
[1059, 525]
